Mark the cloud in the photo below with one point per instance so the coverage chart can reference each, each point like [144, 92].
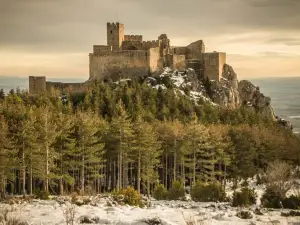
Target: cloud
[70, 27]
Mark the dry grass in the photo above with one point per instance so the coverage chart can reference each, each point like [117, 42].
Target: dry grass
[69, 213]
[7, 218]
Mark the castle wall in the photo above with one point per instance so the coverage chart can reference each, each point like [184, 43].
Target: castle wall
[178, 61]
[66, 87]
[138, 45]
[102, 49]
[119, 63]
[222, 62]
[196, 65]
[150, 44]
[133, 38]
[195, 50]
[37, 84]
[132, 45]
[154, 57]
[179, 50]
[213, 65]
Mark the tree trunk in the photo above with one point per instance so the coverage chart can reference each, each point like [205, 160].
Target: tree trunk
[2, 186]
[175, 160]
[166, 172]
[194, 167]
[23, 169]
[30, 180]
[139, 173]
[46, 186]
[82, 178]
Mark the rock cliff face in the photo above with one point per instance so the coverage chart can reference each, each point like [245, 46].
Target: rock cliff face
[228, 92]
[231, 93]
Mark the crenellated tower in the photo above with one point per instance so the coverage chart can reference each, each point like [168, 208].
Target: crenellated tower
[115, 35]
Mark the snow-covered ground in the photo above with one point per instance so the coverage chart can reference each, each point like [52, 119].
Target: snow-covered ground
[41, 212]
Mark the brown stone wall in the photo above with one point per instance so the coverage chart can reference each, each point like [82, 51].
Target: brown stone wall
[101, 66]
[197, 65]
[115, 35]
[179, 50]
[195, 49]
[133, 38]
[178, 61]
[66, 87]
[102, 49]
[37, 84]
[154, 57]
[138, 45]
[222, 62]
[213, 65]
[132, 45]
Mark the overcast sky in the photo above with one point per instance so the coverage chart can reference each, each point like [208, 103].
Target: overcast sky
[53, 37]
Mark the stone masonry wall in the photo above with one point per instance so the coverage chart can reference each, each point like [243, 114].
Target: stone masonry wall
[138, 45]
[154, 56]
[195, 50]
[213, 65]
[101, 49]
[37, 84]
[101, 66]
[66, 87]
[178, 61]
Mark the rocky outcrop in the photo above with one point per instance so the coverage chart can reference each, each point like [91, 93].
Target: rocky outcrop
[251, 96]
[229, 92]
[226, 90]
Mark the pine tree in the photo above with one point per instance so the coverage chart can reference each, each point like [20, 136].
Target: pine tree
[64, 146]
[47, 127]
[146, 153]
[89, 150]
[7, 158]
[119, 143]
[196, 141]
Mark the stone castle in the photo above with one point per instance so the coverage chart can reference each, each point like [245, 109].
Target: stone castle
[126, 56]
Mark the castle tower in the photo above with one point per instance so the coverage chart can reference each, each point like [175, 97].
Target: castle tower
[115, 35]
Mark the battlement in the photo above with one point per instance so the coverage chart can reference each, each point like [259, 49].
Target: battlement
[150, 44]
[101, 49]
[115, 25]
[138, 45]
[133, 37]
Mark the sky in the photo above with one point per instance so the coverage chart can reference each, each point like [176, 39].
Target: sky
[54, 37]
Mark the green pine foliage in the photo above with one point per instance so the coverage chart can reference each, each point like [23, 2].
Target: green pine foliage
[176, 192]
[212, 192]
[160, 192]
[245, 197]
[124, 134]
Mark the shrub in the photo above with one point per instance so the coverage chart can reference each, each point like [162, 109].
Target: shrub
[258, 212]
[176, 192]
[245, 197]
[270, 199]
[152, 221]
[292, 202]
[44, 195]
[290, 213]
[160, 192]
[208, 192]
[244, 215]
[74, 197]
[128, 196]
